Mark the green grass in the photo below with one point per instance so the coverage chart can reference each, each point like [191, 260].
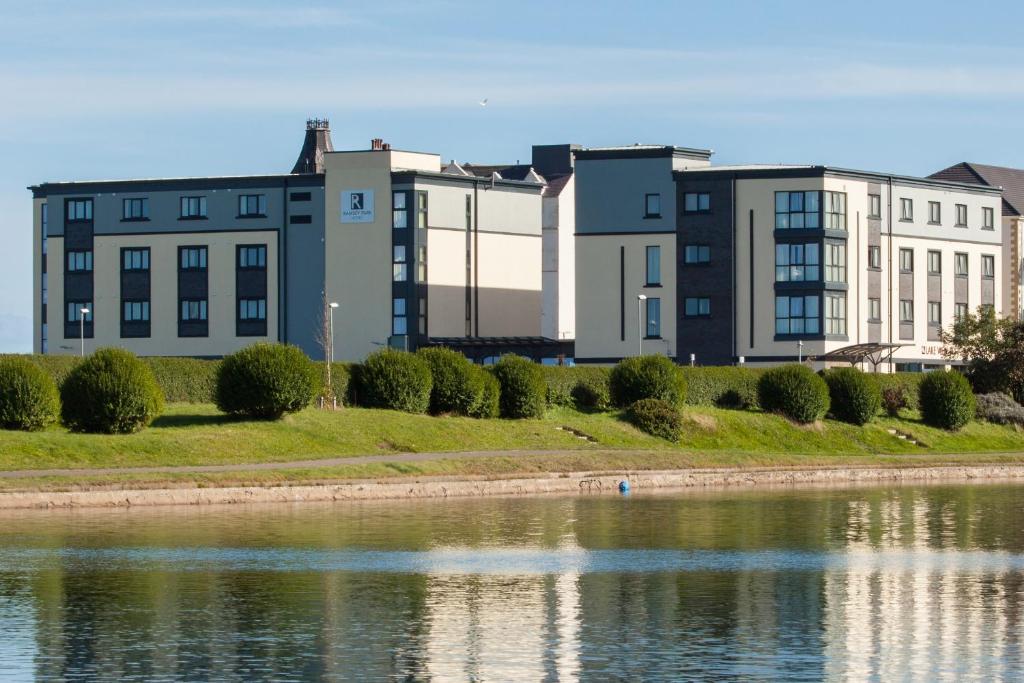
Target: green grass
[190, 434]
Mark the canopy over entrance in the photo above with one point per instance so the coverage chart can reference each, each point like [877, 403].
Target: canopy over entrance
[875, 353]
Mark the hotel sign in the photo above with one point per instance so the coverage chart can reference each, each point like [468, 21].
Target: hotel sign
[357, 206]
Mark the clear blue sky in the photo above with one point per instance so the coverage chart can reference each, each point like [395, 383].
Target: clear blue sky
[144, 89]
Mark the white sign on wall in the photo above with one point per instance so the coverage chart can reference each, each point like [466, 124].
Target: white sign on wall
[357, 206]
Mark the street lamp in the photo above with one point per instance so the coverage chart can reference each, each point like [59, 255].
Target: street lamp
[640, 299]
[333, 305]
[81, 327]
[800, 351]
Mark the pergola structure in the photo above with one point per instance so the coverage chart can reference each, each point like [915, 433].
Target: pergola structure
[875, 353]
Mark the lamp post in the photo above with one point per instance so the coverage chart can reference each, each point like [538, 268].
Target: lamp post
[800, 351]
[333, 305]
[81, 328]
[640, 299]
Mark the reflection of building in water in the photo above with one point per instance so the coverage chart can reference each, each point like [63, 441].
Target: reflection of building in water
[889, 615]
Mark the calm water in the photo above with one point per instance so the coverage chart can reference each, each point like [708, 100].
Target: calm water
[871, 584]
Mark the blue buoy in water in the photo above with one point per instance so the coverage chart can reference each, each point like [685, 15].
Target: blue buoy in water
[624, 486]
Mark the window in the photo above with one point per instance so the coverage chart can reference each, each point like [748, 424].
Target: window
[906, 310]
[75, 311]
[135, 311]
[797, 314]
[192, 258]
[135, 259]
[696, 202]
[906, 209]
[135, 209]
[653, 266]
[193, 309]
[935, 313]
[79, 209]
[421, 263]
[300, 219]
[252, 309]
[796, 262]
[960, 311]
[79, 261]
[935, 213]
[874, 257]
[988, 221]
[44, 219]
[961, 215]
[653, 318]
[399, 322]
[301, 196]
[835, 314]
[423, 316]
[252, 205]
[835, 262]
[906, 260]
[934, 262]
[652, 206]
[960, 263]
[45, 287]
[193, 207]
[874, 206]
[696, 253]
[988, 266]
[835, 210]
[874, 310]
[399, 266]
[796, 210]
[421, 209]
[252, 256]
[696, 307]
[399, 212]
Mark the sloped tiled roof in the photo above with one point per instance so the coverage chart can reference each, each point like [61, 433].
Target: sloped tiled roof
[1010, 179]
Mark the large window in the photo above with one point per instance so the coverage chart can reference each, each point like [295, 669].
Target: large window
[835, 210]
[835, 313]
[874, 257]
[797, 314]
[400, 272]
[193, 207]
[935, 313]
[696, 202]
[193, 309]
[906, 260]
[252, 256]
[696, 253]
[835, 262]
[960, 264]
[934, 262]
[192, 258]
[74, 311]
[399, 212]
[988, 221]
[252, 205]
[874, 310]
[252, 309]
[906, 209]
[797, 210]
[79, 261]
[79, 209]
[988, 266]
[652, 206]
[653, 266]
[696, 307]
[935, 213]
[906, 310]
[135, 311]
[136, 209]
[874, 206]
[961, 215]
[653, 318]
[399, 321]
[135, 259]
[797, 262]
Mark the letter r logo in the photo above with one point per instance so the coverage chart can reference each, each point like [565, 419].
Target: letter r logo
[357, 201]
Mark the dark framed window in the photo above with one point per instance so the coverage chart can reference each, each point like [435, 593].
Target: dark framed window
[697, 253]
[301, 196]
[906, 209]
[835, 210]
[697, 307]
[797, 314]
[835, 261]
[399, 211]
[960, 267]
[74, 311]
[252, 309]
[399, 319]
[421, 209]
[934, 262]
[193, 207]
[653, 266]
[79, 261]
[697, 202]
[252, 256]
[988, 218]
[874, 206]
[79, 210]
[421, 263]
[192, 310]
[252, 205]
[136, 310]
[797, 263]
[135, 209]
[874, 310]
[300, 219]
[961, 216]
[835, 313]
[135, 259]
[653, 318]
[44, 220]
[797, 210]
[399, 266]
[906, 260]
[652, 206]
[935, 313]
[874, 257]
[906, 310]
[988, 266]
[934, 213]
[192, 258]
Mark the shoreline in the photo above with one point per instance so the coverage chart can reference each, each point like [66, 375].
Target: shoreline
[575, 483]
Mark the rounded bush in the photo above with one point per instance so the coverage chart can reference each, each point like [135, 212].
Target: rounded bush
[637, 378]
[395, 380]
[523, 390]
[855, 397]
[456, 387]
[999, 408]
[946, 400]
[657, 418]
[28, 395]
[265, 381]
[110, 392]
[490, 395]
[794, 391]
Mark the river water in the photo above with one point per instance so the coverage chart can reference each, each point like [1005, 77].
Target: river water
[879, 584]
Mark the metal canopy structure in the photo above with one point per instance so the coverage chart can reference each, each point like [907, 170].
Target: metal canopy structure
[875, 353]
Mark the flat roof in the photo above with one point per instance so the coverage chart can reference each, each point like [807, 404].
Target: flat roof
[170, 184]
[642, 151]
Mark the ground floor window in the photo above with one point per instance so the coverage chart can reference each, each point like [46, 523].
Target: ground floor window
[797, 314]
[252, 309]
[835, 313]
[136, 311]
[695, 307]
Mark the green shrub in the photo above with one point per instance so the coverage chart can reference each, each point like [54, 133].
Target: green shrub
[657, 418]
[946, 400]
[591, 392]
[854, 396]
[724, 387]
[187, 380]
[110, 392]
[637, 378]
[28, 395]
[523, 392]
[266, 381]
[456, 387]
[908, 382]
[490, 395]
[396, 380]
[794, 391]
[999, 408]
[341, 384]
